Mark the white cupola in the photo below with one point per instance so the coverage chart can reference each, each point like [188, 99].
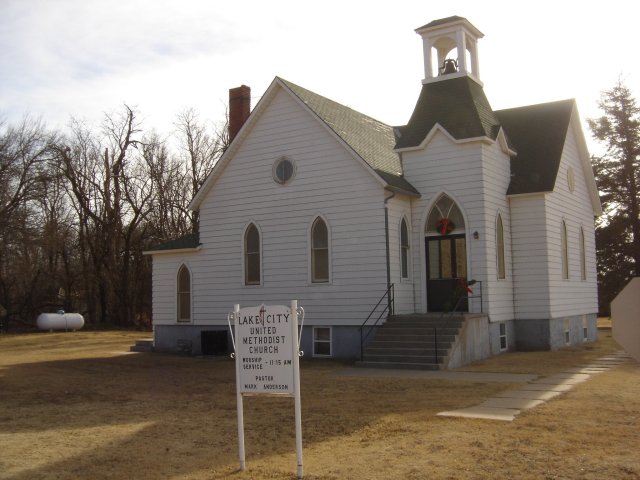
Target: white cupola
[450, 49]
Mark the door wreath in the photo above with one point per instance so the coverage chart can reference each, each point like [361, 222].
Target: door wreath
[444, 226]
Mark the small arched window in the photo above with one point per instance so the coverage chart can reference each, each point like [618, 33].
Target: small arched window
[583, 257]
[404, 249]
[500, 248]
[564, 245]
[252, 256]
[184, 294]
[319, 251]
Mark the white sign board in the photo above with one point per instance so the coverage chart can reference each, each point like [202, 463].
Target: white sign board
[264, 349]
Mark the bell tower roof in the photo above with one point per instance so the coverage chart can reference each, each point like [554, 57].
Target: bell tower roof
[450, 47]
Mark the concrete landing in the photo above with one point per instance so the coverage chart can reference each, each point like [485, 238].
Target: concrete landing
[507, 405]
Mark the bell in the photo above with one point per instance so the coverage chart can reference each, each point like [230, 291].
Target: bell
[449, 66]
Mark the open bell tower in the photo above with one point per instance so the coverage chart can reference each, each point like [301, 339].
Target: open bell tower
[450, 48]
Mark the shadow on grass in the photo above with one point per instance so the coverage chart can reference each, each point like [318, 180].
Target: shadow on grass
[160, 416]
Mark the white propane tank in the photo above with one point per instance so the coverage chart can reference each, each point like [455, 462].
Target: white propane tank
[60, 321]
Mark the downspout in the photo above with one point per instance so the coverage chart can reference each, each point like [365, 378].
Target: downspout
[386, 231]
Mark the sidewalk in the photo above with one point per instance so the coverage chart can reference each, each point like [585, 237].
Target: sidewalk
[506, 405]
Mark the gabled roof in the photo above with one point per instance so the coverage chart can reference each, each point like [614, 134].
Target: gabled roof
[458, 105]
[186, 242]
[372, 140]
[368, 139]
[538, 133]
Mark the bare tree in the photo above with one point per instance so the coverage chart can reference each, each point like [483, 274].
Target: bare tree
[201, 149]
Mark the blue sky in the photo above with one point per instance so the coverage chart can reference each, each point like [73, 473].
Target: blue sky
[84, 58]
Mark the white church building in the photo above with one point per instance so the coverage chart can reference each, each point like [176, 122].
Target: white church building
[467, 232]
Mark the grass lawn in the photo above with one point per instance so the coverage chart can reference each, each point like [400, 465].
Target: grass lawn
[72, 406]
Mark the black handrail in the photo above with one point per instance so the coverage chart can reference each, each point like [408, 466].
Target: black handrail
[389, 295]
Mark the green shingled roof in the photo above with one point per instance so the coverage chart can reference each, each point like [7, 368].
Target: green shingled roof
[538, 133]
[372, 140]
[191, 240]
[458, 105]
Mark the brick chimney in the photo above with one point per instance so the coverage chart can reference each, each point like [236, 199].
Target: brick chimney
[239, 109]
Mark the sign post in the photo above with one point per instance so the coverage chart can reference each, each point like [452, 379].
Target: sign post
[267, 350]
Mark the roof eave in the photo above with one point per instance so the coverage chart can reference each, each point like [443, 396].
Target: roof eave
[172, 251]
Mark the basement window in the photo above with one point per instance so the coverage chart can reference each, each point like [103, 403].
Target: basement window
[585, 329]
[503, 337]
[321, 341]
[567, 333]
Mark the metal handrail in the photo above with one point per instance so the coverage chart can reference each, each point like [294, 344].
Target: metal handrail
[389, 295]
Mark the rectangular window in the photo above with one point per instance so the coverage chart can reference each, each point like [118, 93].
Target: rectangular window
[567, 332]
[321, 341]
[585, 329]
[503, 337]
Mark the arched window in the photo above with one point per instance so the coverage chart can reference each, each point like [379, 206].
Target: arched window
[184, 294]
[319, 251]
[583, 257]
[252, 256]
[564, 245]
[445, 217]
[404, 249]
[500, 248]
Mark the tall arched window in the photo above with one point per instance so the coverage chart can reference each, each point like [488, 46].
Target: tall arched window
[500, 248]
[404, 249]
[184, 294]
[583, 257]
[564, 245]
[319, 251]
[252, 256]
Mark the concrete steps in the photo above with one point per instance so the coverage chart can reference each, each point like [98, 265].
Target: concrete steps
[142, 345]
[418, 342]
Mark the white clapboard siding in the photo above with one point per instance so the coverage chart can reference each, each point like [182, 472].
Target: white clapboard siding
[399, 208]
[329, 182]
[164, 277]
[530, 256]
[477, 176]
[497, 293]
[573, 296]
[455, 169]
[540, 289]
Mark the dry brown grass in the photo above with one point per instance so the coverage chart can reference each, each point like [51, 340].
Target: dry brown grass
[72, 408]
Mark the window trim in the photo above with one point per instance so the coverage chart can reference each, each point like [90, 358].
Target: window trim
[314, 341]
[311, 278]
[405, 275]
[184, 267]
[245, 254]
[274, 170]
[501, 273]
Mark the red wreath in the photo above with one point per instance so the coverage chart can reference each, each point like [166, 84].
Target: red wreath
[445, 226]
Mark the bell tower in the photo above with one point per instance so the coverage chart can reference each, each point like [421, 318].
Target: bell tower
[450, 48]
